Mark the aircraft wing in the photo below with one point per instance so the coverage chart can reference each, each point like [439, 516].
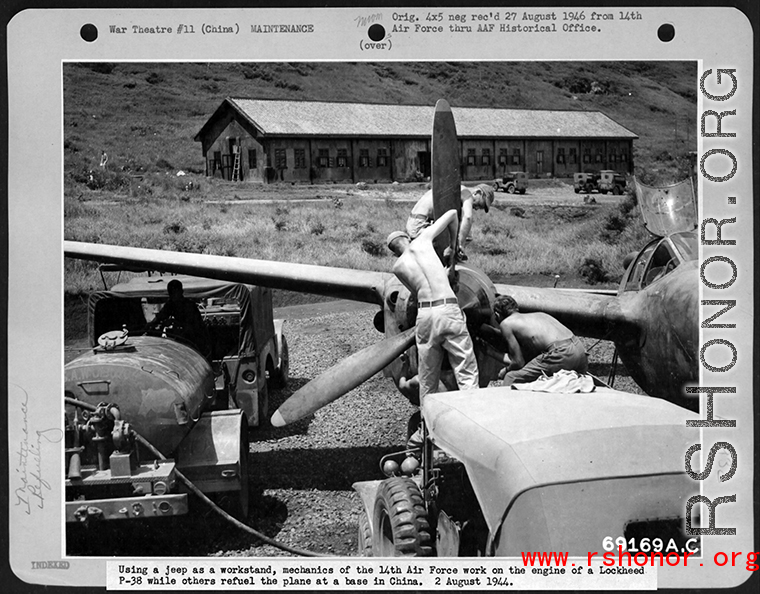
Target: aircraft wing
[590, 314]
[344, 283]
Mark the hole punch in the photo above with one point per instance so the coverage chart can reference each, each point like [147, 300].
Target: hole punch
[89, 32]
[376, 32]
[666, 32]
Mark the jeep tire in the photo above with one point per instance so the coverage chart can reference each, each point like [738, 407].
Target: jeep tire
[401, 526]
[365, 535]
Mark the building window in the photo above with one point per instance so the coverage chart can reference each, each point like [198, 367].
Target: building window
[363, 157]
[539, 162]
[323, 158]
[280, 159]
[516, 160]
[599, 157]
[561, 155]
[587, 155]
[502, 156]
[382, 157]
[573, 156]
[252, 159]
[623, 156]
[299, 158]
[342, 157]
[471, 157]
[485, 158]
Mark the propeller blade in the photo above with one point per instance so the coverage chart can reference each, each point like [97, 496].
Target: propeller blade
[342, 378]
[445, 177]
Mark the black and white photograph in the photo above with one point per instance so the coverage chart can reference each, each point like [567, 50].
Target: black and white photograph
[442, 322]
[313, 176]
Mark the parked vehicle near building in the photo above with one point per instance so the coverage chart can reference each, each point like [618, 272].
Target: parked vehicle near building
[514, 181]
[585, 182]
[611, 181]
[603, 182]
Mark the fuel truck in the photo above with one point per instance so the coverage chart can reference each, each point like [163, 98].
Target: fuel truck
[142, 407]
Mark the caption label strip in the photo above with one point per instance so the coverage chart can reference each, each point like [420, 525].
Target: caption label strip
[372, 575]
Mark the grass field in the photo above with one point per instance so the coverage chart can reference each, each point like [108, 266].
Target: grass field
[531, 235]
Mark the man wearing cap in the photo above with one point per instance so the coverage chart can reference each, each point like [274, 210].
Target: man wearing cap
[441, 326]
[479, 197]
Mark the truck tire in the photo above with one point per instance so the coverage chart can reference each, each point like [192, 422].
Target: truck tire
[617, 190]
[522, 190]
[401, 526]
[365, 535]
[510, 188]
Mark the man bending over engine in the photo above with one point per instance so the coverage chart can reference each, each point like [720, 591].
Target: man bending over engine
[537, 344]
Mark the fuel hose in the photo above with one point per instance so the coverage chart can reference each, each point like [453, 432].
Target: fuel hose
[198, 493]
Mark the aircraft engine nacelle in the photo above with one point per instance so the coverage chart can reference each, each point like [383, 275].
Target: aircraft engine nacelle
[476, 295]
[159, 385]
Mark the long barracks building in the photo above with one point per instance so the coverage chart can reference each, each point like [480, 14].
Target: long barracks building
[264, 140]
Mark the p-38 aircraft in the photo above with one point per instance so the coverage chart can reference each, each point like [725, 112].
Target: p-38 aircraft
[652, 320]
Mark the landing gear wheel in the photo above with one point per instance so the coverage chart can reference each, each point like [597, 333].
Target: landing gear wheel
[400, 521]
[365, 536]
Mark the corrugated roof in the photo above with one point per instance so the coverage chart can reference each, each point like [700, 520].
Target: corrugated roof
[319, 118]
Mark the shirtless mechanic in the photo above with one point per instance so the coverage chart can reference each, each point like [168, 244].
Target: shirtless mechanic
[441, 326]
[480, 197]
[537, 344]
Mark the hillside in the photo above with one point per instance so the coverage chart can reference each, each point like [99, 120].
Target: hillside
[145, 115]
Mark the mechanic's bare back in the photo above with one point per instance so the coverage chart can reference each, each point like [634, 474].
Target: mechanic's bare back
[419, 268]
[533, 332]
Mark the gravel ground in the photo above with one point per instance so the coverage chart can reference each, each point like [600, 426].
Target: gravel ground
[301, 475]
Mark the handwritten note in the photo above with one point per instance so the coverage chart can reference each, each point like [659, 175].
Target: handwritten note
[30, 486]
